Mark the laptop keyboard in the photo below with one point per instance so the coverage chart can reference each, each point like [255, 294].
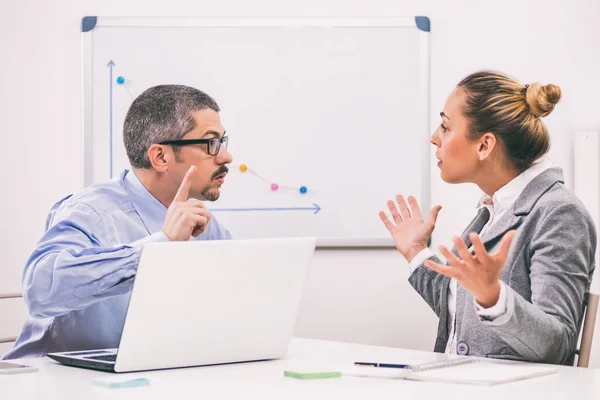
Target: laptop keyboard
[106, 357]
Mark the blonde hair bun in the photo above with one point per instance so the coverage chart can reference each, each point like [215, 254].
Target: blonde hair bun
[542, 99]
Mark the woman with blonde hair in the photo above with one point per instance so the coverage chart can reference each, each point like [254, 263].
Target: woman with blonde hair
[515, 284]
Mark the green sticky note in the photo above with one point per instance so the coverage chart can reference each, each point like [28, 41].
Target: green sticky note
[312, 375]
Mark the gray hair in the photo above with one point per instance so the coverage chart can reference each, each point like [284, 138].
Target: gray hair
[161, 113]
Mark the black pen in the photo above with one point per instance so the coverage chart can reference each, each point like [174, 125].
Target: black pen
[381, 365]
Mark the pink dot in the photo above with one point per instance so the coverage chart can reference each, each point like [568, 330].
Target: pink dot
[274, 186]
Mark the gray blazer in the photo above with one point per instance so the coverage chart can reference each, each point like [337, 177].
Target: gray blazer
[547, 274]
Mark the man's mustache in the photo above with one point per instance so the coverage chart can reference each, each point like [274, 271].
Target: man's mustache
[222, 170]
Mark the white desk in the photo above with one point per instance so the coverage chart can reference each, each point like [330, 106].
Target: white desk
[265, 380]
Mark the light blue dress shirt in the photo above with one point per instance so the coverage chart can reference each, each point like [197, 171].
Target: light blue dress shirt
[77, 282]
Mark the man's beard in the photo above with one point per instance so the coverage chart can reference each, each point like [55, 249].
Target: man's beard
[210, 193]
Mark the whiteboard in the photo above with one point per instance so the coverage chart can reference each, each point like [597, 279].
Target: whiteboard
[327, 118]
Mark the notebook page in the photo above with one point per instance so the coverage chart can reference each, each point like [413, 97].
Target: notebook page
[482, 373]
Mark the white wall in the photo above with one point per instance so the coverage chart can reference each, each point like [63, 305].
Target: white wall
[357, 295]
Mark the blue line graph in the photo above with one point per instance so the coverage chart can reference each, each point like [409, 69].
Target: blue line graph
[121, 81]
[110, 65]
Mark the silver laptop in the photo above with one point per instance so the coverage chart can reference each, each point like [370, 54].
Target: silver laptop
[207, 302]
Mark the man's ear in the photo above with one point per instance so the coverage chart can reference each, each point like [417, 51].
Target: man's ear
[159, 157]
[487, 143]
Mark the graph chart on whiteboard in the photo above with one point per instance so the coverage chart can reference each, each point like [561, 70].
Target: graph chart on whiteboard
[119, 86]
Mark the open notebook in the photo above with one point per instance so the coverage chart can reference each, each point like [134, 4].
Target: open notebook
[473, 371]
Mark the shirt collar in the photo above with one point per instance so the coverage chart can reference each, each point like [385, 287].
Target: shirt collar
[151, 211]
[508, 194]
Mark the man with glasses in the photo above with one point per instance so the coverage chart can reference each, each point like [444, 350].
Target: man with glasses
[77, 281]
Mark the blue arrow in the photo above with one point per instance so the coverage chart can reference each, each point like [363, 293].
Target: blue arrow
[110, 65]
[315, 208]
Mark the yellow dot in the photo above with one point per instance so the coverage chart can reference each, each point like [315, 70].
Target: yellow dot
[243, 168]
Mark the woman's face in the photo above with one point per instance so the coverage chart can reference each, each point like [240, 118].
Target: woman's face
[456, 153]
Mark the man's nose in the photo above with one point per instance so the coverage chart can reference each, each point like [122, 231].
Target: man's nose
[224, 156]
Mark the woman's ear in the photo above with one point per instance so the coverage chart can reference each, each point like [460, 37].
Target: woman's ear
[487, 144]
[158, 156]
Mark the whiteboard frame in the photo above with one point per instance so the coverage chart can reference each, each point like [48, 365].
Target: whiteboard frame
[90, 23]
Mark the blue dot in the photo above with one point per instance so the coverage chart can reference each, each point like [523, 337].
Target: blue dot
[303, 189]
[120, 80]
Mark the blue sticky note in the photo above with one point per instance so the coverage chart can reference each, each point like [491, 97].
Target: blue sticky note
[120, 382]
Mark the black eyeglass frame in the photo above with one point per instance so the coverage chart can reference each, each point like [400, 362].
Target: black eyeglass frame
[213, 145]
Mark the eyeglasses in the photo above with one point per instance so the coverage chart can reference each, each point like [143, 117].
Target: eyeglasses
[213, 146]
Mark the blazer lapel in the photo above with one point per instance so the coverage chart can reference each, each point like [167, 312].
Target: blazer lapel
[474, 226]
[496, 232]
[523, 206]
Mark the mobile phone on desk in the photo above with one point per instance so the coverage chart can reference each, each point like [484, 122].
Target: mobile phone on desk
[14, 368]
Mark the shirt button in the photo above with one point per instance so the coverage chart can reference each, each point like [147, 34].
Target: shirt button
[462, 349]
